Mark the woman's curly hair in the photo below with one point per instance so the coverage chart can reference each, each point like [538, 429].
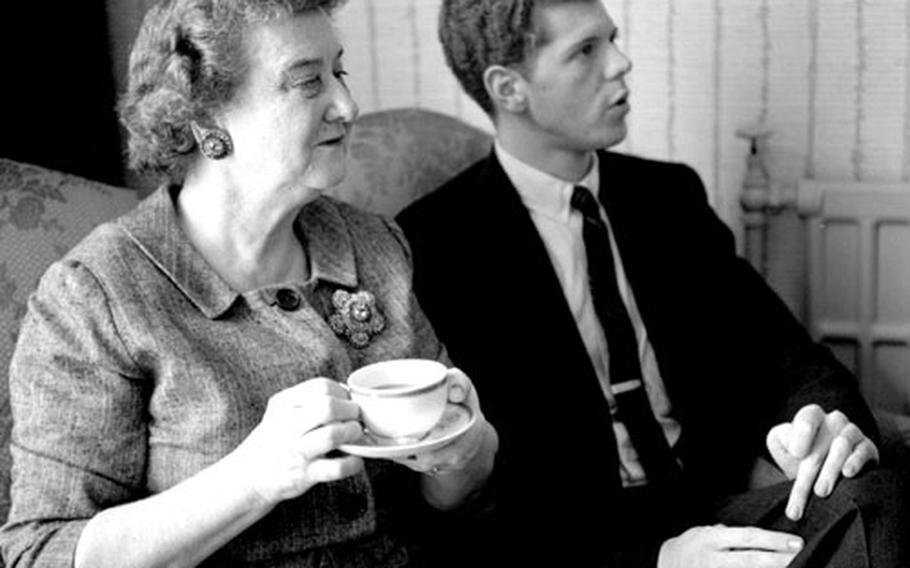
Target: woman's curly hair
[186, 63]
[476, 34]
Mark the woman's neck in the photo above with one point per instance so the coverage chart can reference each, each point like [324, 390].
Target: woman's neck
[249, 243]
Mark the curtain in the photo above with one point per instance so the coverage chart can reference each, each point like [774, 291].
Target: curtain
[58, 93]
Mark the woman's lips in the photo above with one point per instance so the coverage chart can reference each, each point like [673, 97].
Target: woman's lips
[334, 141]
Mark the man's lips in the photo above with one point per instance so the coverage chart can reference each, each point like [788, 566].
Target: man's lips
[620, 98]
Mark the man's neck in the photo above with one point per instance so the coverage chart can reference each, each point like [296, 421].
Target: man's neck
[538, 151]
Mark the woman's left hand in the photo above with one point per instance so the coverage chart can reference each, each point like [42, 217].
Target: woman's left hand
[462, 466]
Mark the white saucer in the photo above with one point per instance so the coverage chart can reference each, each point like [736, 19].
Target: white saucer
[454, 422]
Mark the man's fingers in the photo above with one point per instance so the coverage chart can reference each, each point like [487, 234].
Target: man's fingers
[757, 539]
[805, 427]
[863, 453]
[757, 559]
[778, 442]
[806, 474]
[841, 448]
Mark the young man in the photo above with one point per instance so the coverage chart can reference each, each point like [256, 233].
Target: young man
[636, 369]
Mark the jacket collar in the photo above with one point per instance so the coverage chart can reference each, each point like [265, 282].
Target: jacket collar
[154, 228]
[325, 234]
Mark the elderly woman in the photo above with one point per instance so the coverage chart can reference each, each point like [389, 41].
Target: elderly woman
[176, 386]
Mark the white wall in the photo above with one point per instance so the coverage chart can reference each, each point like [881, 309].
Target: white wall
[830, 77]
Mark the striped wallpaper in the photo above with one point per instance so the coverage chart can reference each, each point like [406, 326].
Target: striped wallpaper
[829, 77]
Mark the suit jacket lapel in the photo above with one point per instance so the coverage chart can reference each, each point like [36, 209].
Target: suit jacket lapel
[543, 331]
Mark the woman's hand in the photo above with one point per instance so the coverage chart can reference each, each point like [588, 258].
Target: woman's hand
[285, 455]
[452, 472]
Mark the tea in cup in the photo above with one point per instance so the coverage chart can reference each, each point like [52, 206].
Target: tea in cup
[400, 399]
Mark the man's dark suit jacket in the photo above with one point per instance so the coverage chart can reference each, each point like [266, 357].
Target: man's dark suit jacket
[733, 358]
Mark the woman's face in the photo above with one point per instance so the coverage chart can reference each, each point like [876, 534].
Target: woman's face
[290, 118]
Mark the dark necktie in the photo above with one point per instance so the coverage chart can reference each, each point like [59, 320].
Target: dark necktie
[632, 406]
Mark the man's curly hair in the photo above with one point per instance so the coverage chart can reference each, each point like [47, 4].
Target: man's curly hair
[476, 34]
[186, 63]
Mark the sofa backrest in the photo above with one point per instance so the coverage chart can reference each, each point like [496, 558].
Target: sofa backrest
[399, 155]
[395, 157]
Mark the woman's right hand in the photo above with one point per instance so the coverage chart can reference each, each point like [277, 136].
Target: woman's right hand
[285, 455]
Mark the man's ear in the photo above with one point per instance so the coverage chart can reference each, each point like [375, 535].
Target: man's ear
[506, 88]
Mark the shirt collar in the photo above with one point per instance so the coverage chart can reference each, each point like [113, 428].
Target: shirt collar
[154, 228]
[541, 192]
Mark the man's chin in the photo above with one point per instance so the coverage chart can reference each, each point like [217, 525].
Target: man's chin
[613, 137]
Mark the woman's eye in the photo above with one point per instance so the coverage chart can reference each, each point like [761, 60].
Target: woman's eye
[310, 85]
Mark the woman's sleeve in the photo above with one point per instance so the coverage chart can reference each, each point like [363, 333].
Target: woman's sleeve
[427, 343]
[79, 437]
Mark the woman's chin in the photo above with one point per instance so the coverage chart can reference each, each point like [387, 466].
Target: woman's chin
[322, 181]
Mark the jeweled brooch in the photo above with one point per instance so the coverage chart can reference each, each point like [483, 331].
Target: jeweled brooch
[356, 317]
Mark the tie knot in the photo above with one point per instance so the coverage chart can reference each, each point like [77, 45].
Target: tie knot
[584, 201]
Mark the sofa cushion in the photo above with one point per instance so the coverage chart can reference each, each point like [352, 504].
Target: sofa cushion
[43, 213]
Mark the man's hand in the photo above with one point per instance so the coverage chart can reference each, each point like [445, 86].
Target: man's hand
[815, 449]
[726, 547]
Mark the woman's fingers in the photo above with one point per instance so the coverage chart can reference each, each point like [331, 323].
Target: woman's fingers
[312, 404]
[460, 388]
[323, 440]
[332, 469]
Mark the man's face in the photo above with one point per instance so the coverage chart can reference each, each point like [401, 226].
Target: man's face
[577, 96]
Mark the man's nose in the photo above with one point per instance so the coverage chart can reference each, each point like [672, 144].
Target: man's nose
[618, 63]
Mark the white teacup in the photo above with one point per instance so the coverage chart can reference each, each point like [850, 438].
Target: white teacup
[401, 398]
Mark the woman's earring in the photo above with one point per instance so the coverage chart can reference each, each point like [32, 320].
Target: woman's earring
[215, 144]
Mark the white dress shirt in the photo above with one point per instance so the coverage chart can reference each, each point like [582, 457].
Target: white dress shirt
[560, 226]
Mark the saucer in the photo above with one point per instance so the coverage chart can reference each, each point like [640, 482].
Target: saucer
[455, 421]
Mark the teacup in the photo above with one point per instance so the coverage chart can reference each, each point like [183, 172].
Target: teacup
[401, 399]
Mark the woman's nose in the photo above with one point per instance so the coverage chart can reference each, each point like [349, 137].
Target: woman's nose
[343, 106]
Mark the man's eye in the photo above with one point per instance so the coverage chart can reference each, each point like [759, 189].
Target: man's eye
[586, 49]
[340, 74]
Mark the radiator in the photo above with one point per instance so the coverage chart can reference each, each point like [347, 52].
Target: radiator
[858, 251]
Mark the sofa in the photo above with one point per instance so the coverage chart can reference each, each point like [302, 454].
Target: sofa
[396, 156]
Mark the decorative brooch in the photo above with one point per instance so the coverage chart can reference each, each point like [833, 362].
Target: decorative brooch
[356, 317]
